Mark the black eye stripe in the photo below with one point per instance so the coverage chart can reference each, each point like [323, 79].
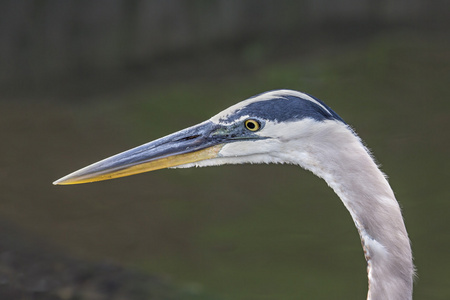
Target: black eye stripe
[285, 108]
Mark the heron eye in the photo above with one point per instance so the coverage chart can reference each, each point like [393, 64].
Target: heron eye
[252, 125]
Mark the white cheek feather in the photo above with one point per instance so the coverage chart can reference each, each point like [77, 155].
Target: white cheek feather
[256, 152]
[332, 151]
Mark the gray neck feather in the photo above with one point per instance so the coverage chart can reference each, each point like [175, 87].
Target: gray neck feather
[337, 155]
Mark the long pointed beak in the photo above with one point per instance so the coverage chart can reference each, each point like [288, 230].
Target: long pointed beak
[186, 146]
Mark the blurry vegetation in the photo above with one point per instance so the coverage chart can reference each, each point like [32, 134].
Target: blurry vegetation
[234, 232]
[45, 41]
[250, 232]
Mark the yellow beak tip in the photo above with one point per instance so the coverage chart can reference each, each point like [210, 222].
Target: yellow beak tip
[61, 181]
[92, 174]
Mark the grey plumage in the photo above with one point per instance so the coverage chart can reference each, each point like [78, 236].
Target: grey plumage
[295, 128]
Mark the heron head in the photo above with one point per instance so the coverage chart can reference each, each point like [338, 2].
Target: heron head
[255, 130]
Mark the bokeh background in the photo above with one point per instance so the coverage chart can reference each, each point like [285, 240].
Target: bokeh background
[83, 80]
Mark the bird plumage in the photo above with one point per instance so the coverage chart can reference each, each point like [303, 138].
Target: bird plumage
[295, 128]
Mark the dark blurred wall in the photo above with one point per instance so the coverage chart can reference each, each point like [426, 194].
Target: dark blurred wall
[47, 39]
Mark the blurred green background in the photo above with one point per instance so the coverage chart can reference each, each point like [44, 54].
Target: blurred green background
[84, 80]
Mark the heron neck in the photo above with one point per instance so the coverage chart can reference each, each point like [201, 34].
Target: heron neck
[348, 168]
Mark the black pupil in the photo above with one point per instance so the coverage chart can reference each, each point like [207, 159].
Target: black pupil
[251, 125]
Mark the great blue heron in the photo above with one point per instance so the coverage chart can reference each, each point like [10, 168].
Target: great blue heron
[286, 126]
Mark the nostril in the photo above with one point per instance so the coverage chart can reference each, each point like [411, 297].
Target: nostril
[188, 138]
